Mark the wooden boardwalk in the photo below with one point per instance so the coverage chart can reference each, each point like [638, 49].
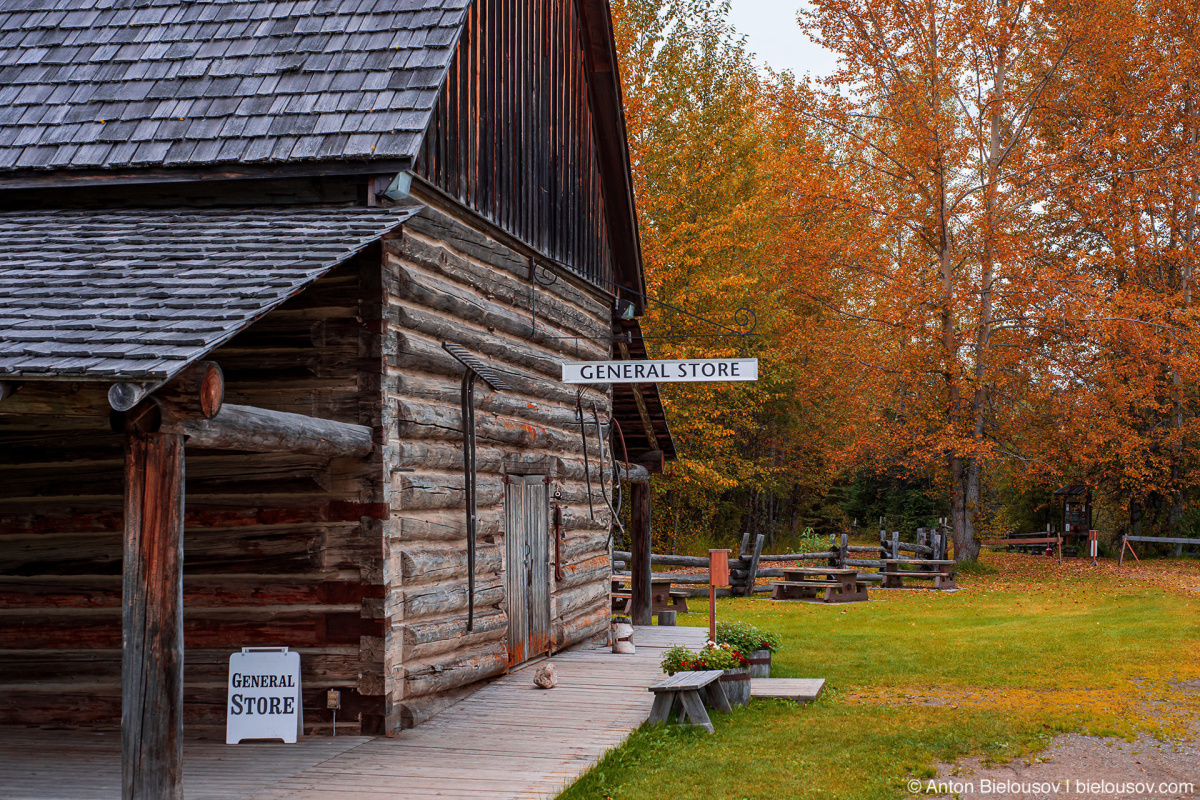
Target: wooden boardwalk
[508, 740]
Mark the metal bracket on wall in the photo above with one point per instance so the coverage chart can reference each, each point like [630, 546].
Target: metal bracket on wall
[474, 369]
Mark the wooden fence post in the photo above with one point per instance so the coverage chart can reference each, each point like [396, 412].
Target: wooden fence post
[152, 622]
[843, 551]
[640, 610]
[752, 573]
[745, 549]
[895, 544]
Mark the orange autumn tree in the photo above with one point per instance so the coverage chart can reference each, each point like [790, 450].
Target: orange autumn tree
[716, 229]
[931, 117]
[1123, 195]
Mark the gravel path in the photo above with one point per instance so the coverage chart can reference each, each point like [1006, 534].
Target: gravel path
[1081, 768]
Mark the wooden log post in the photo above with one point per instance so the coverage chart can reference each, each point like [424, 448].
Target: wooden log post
[752, 572]
[844, 551]
[152, 621]
[639, 555]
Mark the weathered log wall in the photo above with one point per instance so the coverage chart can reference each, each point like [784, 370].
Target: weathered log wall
[446, 282]
[280, 549]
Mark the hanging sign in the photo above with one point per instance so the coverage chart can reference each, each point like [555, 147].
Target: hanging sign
[264, 695]
[680, 371]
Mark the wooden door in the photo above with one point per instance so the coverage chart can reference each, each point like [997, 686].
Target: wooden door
[527, 566]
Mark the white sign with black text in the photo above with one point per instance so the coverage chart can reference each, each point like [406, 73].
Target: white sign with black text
[264, 695]
[664, 371]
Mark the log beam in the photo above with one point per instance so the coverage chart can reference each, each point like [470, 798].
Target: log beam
[259, 430]
[152, 621]
[125, 395]
[640, 607]
[635, 474]
[652, 460]
[196, 392]
[55, 398]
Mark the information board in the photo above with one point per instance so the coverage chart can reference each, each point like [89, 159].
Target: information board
[264, 700]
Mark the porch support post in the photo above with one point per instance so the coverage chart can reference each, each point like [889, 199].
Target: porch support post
[152, 621]
[639, 552]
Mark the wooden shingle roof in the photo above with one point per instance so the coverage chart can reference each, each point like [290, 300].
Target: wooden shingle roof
[137, 294]
[87, 84]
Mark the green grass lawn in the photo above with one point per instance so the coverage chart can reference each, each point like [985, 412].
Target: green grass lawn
[1022, 652]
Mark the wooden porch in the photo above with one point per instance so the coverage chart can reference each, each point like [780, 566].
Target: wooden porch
[508, 740]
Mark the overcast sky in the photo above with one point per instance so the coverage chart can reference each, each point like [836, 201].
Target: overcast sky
[773, 35]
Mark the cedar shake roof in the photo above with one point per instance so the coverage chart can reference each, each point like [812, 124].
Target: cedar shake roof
[136, 295]
[125, 83]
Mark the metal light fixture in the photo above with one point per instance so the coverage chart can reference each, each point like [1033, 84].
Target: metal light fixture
[399, 188]
[624, 309]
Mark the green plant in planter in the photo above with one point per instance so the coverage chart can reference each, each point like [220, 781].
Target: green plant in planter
[713, 656]
[746, 638]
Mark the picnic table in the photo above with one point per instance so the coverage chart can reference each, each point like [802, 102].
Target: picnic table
[662, 597]
[940, 571]
[826, 584]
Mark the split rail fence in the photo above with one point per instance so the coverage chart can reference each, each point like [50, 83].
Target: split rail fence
[1178, 542]
[931, 545]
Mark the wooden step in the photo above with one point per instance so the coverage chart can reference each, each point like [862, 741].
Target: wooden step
[802, 690]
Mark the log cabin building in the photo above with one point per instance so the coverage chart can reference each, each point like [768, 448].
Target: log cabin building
[262, 263]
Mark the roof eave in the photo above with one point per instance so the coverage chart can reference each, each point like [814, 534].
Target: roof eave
[232, 171]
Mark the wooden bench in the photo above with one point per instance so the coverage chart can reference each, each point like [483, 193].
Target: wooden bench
[678, 601]
[942, 572]
[841, 585]
[1023, 540]
[662, 597]
[682, 692]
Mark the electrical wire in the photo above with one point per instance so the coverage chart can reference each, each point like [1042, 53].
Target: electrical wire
[600, 437]
[587, 470]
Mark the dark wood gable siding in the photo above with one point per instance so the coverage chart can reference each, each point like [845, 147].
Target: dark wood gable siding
[513, 135]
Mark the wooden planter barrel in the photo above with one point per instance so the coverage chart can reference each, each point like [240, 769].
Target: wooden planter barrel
[760, 663]
[736, 683]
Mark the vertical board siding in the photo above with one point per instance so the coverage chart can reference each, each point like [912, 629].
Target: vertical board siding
[513, 137]
[537, 515]
[516, 538]
[444, 281]
[279, 549]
